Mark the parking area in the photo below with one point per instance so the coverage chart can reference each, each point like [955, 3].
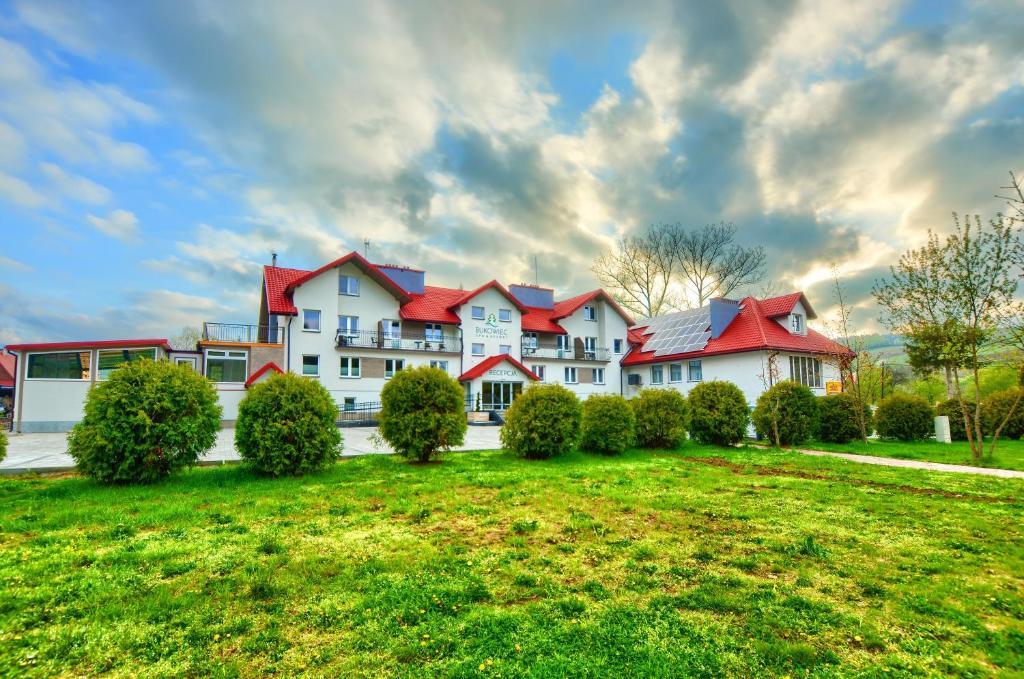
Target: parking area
[48, 452]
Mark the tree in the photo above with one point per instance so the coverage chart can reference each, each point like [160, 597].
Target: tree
[710, 262]
[187, 339]
[639, 272]
[953, 298]
[851, 367]
[1014, 201]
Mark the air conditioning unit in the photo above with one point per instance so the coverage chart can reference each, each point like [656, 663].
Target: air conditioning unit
[633, 380]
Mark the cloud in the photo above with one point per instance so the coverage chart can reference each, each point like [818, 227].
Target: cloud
[120, 224]
[75, 186]
[19, 192]
[14, 264]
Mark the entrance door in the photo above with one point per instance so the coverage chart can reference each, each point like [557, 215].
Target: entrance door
[499, 395]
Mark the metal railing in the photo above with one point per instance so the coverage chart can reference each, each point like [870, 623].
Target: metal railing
[368, 412]
[369, 339]
[243, 334]
[576, 354]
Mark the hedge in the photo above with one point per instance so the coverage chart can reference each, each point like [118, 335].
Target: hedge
[951, 409]
[786, 414]
[422, 413]
[542, 422]
[148, 419]
[994, 409]
[837, 418]
[287, 426]
[3, 446]
[660, 418]
[608, 425]
[904, 417]
[718, 413]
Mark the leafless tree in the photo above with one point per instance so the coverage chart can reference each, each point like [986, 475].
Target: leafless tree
[711, 263]
[1015, 199]
[639, 273]
[187, 339]
[851, 368]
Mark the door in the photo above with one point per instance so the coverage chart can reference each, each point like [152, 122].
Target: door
[499, 395]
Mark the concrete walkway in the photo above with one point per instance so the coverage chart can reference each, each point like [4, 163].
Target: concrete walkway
[48, 452]
[916, 464]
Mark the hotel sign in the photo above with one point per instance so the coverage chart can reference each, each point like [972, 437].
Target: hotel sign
[502, 372]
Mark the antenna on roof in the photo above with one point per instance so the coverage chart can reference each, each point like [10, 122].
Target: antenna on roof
[366, 248]
[273, 259]
[536, 275]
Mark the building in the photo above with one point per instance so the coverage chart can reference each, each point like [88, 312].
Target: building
[8, 368]
[352, 325]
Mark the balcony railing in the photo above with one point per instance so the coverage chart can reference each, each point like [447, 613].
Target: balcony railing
[578, 354]
[243, 334]
[369, 339]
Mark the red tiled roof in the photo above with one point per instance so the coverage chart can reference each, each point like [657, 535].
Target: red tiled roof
[488, 363]
[7, 362]
[539, 320]
[277, 279]
[567, 307]
[96, 344]
[783, 305]
[365, 265]
[489, 284]
[433, 306]
[753, 329]
[259, 373]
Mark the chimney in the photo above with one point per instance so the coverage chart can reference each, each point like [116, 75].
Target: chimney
[273, 259]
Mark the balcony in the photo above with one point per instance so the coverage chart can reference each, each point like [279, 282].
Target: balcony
[577, 354]
[369, 339]
[243, 334]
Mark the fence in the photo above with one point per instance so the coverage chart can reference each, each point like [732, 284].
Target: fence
[243, 334]
[368, 412]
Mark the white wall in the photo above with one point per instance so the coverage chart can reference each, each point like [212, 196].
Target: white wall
[478, 331]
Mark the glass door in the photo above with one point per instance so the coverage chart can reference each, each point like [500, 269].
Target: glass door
[499, 395]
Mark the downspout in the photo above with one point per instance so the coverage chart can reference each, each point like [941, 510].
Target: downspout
[19, 370]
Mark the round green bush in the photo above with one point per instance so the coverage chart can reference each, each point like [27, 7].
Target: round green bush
[150, 418]
[837, 418]
[786, 413]
[994, 409]
[3, 446]
[423, 413]
[660, 418]
[718, 413]
[951, 409]
[904, 417]
[287, 426]
[608, 426]
[542, 422]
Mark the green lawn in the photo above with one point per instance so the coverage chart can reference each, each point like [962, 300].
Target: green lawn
[1008, 455]
[705, 562]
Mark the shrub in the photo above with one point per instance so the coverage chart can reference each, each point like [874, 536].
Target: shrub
[837, 418]
[951, 409]
[542, 422]
[286, 425]
[786, 413]
[994, 409]
[150, 418]
[660, 418]
[3, 446]
[718, 413]
[422, 413]
[904, 417]
[608, 425]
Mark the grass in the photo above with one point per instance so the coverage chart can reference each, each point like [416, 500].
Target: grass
[1009, 454]
[702, 562]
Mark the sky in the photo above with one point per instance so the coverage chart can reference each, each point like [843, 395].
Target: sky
[153, 155]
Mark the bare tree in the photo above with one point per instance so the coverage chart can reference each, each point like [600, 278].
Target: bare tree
[639, 271]
[711, 263]
[851, 368]
[187, 339]
[1014, 201]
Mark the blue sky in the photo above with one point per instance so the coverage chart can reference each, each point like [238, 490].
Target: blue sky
[152, 155]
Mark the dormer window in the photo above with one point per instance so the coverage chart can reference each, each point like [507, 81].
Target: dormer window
[796, 323]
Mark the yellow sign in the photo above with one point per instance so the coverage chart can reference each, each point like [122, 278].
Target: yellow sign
[833, 387]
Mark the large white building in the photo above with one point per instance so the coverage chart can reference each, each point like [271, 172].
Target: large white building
[352, 324]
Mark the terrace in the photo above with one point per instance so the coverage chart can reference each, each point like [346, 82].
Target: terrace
[373, 339]
[236, 333]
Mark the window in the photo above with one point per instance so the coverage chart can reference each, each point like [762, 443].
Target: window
[393, 365]
[694, 372]
[477, 313]
[675, 372]
[504, 348]
[505, 315]
[432, 332]
[350, 403]
[350, 367]
[348, 325]
[311, 320]
[442, 365]
[392, 329]
[590, 313]
[529, 340]
[478, 348]
[563, 342]
[72, 365]
[617, 346]
[226, 366]
[590, 347]
[598, 375]
[805, 370]
[657, 374]
[110, 359]
[186, 361]
[311, 365]
[348, 285]
[570, 375]
[538, 370]
[796, 323]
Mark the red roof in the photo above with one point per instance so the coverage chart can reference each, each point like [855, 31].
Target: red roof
[486, 286]
[277, 279]
[536, 319]
[783, 306]
[488, 363]
[96, 344]
[752, 330]
[433, 306]
[567, 307]
[7, 362]
[259, 373]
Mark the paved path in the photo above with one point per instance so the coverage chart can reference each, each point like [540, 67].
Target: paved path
[917, 464]
[48, 452]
